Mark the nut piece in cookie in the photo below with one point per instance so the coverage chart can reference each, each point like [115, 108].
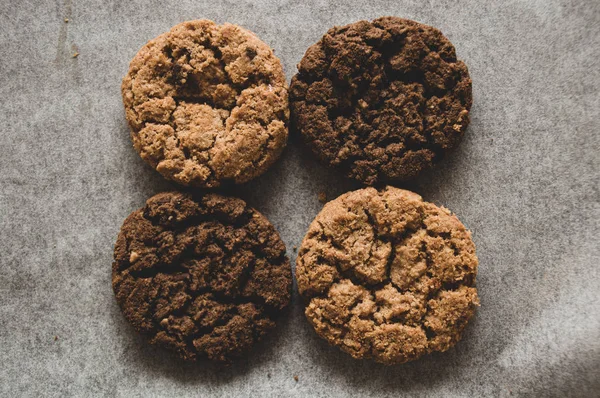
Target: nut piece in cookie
[382, 100]
[387, 276]
[207, 104]
[205, 276]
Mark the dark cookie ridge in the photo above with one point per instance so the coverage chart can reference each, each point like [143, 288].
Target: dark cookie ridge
[381, 100]
[207, 104]
[388, 276]
[202, 275]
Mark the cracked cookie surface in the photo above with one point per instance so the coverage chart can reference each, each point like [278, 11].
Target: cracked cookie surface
[387, 276]
[204, 276]
[381, 100]
[207, 104]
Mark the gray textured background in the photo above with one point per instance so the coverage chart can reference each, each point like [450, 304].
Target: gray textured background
[525, 180]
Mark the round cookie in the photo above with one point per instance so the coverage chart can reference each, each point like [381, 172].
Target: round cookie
[207, 104]
[205, 276]
[387, 276]
[381, 100]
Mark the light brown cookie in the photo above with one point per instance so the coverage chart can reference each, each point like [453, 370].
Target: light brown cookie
[387, 276]
[207, 104]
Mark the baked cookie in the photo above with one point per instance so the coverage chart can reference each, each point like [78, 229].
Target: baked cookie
[387, 276]
[207, 104]
[381, 100]
[205, 276]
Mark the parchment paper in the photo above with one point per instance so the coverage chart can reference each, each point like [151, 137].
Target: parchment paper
[525, 180]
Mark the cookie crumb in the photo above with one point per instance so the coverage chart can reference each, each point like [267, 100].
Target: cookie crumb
[55, 338]
[251, 52]
[66, 20]
[296, 378]
[133, 257]
[75, 54]
[322, 197]
[295, 248]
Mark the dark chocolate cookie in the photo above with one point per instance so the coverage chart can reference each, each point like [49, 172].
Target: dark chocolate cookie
[387, 275]
[381, 100]
[207, 104]
[205, 276]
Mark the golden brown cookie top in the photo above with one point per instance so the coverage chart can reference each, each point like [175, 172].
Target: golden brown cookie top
[203, 275]
[387, 276]
[206, 104]
[382, 100]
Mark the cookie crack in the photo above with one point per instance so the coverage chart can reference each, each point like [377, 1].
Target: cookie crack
[219, 56]
[263, 150]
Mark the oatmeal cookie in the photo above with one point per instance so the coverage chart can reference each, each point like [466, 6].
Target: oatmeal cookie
[207, 104]
[387, 276]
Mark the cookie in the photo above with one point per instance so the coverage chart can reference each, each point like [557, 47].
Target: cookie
[207, 104]
[381, 100]
[205, 276]
[387, 276]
